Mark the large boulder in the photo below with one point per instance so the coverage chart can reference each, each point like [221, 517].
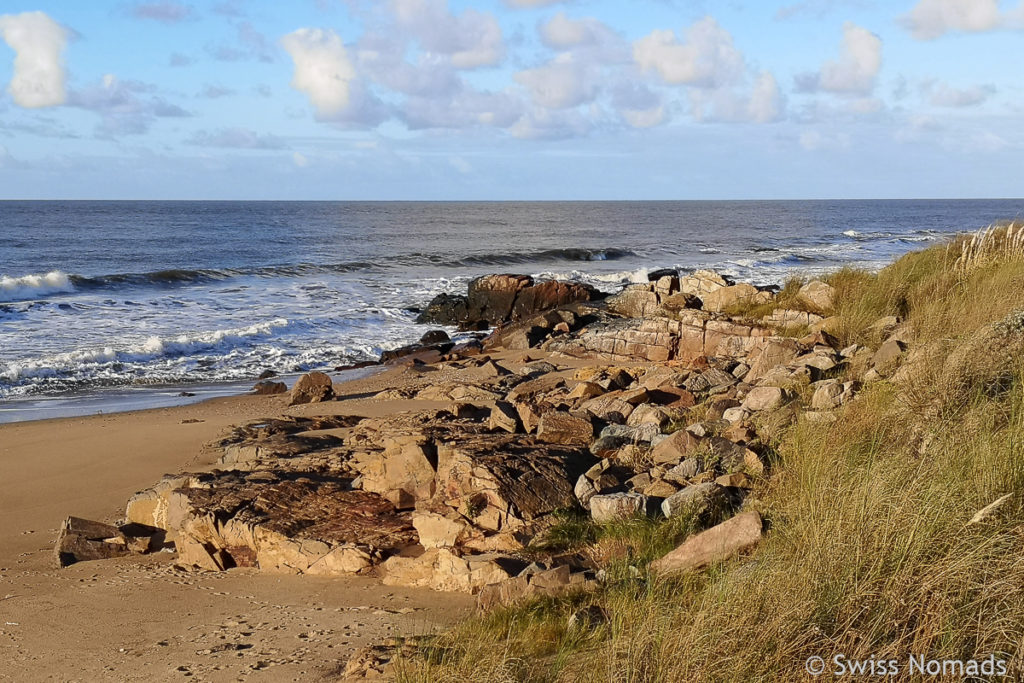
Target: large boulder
[701, 283]
[444, 309]
[312, 387]
[551, 294]
[492, 297]
[558, 426]
[817, 296]
[611, 506]
[742, 294]
[713, 545]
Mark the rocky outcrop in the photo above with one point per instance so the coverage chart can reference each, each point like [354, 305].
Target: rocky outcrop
[494, 299]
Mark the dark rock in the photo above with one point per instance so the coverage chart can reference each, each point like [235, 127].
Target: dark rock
[267, 388]
[444, 309]
[654, 275]
[81, 539]
[313, 387]
[267, 374]
[492, 297]
[434, 337]
[420, 350]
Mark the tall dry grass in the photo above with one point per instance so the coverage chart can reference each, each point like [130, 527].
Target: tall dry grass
[868, 552]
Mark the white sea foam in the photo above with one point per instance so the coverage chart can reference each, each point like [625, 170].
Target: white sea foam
[34, 286]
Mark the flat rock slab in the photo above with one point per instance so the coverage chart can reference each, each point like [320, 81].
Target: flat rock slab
[714, 545]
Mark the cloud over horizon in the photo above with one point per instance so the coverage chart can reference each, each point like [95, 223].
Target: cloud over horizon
[38, 42]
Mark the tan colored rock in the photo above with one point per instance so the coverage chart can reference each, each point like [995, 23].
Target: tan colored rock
[152, 507]
[585, 390]
[529, 416]
[82, 539]
[659, 488]
[675, 448]
[764, 398]
[557, 426]
[442, 570]
[313, 387]
[608, 407]
[888, 357]
[727, 297]
[700, 499]
[636, 301]
[611, 506]
[817, 296]
[437, 530]
[718, 543]
[772, 352]
[701, 283]
[503, 416]
[402, 473]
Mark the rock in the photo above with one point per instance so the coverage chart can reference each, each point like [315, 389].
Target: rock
[737, 480]
[684, 471]
[789, 318]
[528, 415]
[503, 416]
[313, 387]
[764, 398]
[773, 353]
[552, 294]
[659, 273]
[660, 488]
[436, 530]
[534, 388]
[635, 301]
[266, 374]
[609, 408]
[585, 390]
[584, 490]
[441, 569]
[734, 415]
[503, 482]
[701, 283]
[885, 326]
[827, 396]
[714, 545]
[612, 506]
[156, 507]
[81, 539]
[735, 295]
[268, 388]
[675, 448]
[491, 297]
[888, 357]
[557, 426]
[403, 472]
[445, 309]
[639, 482]
[702, 500]
[434, 337]
[817, 296]
[649, 415]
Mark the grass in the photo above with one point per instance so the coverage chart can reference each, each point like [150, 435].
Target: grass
[868, 552]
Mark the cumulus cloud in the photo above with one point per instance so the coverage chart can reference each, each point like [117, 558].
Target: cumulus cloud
[762, 102]
[855, 72]
[563, 82]
[236, 138]
[706, 57]
[325, 74]
[470, 40]
[38, 43]
[638, 105]
[165, 11]
[560, 32]
[930, 19]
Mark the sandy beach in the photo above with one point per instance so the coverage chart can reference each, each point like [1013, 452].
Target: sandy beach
[141, 618]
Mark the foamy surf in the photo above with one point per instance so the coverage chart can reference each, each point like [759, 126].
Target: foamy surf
[34, 286]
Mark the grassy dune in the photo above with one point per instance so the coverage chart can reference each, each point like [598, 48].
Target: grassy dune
[868, 551]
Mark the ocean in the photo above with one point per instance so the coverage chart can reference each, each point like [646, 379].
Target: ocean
[106, 305]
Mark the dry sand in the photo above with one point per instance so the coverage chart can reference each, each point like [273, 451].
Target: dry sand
[141, 619]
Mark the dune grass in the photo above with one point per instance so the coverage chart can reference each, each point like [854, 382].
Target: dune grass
[868, 552]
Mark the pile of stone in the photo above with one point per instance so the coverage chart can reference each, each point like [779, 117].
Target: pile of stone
[664, 422]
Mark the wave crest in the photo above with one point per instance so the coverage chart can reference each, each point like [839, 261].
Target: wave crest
[34, 286]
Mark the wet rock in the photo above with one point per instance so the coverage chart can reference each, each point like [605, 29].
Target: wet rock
[716, 544]
[445, 309]
[434, 337]
[313, 387]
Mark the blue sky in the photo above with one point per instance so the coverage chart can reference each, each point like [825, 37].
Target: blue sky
[510, 99]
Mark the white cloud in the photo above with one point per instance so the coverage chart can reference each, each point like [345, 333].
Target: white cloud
[706, 58]
[855, 72]
[323, 71]
[38, 43]
[563, 82]
[638, 105]
[930, 19]
[943, 95]
[125, 107]
[470, 40]
[560, 32]
[467, 108]
[761, 104]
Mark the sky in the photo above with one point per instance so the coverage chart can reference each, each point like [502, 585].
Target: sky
[510, 99]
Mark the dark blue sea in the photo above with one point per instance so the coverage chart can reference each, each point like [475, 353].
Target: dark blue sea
[105, 305]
